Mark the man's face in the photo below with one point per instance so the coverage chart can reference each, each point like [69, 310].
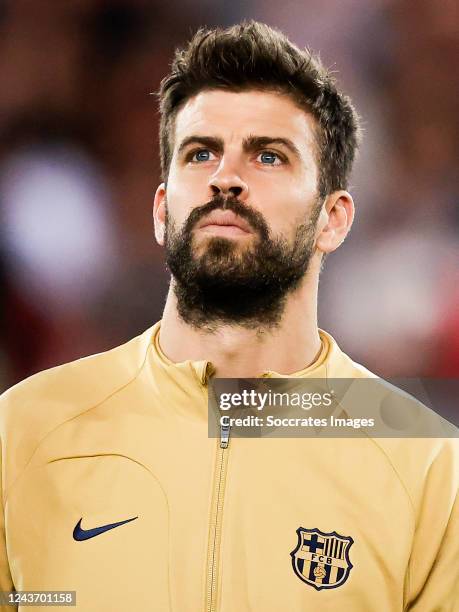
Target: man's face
[241, 206]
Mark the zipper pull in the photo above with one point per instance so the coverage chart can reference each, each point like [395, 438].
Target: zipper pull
[224, 435]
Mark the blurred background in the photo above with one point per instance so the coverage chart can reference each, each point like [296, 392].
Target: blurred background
[80, 271]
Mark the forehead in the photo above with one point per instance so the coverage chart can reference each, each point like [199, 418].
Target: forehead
[233, 116]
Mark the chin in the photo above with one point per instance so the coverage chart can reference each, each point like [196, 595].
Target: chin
[215, 245]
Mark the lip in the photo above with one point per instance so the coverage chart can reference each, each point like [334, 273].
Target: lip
[224, 218]
[224, 230]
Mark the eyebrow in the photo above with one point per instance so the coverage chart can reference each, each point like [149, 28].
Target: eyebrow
[249, 144]
[212, 142]
[254, 143]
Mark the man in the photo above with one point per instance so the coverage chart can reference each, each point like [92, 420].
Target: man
[111, 485]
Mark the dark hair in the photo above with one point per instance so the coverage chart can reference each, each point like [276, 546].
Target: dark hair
[252, 55]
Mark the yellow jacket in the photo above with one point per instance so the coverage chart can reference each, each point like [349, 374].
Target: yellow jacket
[122, 437]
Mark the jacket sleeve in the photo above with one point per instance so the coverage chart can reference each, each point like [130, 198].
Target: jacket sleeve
[6, 582]
[434, 564]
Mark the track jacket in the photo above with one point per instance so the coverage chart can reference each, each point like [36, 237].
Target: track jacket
[112, 488]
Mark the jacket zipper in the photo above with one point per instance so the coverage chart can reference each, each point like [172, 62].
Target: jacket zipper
[213, 552]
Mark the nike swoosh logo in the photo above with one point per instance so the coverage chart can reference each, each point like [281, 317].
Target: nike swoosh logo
[80, 534]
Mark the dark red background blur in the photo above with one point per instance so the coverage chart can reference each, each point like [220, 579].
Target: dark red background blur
[79, 269]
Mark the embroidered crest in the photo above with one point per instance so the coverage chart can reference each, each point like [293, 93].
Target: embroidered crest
[322, 559]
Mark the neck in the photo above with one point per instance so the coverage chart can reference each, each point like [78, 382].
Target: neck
[238, 352]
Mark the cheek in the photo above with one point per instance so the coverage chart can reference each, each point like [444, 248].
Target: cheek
[184, 193]
[281, 202]
[179, 205]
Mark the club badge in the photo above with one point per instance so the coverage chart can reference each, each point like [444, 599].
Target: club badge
[322, 559]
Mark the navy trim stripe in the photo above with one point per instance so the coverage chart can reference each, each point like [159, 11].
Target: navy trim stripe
[326, 579]
[300, 564]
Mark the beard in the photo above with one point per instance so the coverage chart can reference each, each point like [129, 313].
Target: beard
[229, 283]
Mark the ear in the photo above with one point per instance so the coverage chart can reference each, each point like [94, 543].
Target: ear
[159, 214]
[335, 221]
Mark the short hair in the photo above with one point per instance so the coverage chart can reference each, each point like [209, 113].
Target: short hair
[252, 55]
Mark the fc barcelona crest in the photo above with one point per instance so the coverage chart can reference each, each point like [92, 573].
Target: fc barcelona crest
[322, 559]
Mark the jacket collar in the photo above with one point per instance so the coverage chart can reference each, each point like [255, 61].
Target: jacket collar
[331, 361]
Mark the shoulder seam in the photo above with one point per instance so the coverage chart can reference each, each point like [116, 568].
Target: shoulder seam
[378, 446]
[400, 479]
[111, 394]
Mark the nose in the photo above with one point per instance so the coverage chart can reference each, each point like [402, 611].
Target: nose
[227, 181]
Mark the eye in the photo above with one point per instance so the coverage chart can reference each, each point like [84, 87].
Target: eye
[201, 155]
[269, 158]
